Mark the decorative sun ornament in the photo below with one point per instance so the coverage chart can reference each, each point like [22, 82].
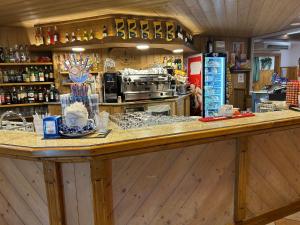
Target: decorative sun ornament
[79, 69]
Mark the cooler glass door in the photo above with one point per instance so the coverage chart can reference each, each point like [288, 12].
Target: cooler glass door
[214, 85]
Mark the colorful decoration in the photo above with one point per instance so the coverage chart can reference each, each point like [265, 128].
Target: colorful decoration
[79, 70]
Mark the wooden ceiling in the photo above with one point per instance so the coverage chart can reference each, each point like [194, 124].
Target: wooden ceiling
[244, 18]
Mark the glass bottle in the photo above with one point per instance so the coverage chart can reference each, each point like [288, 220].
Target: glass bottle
[51, 74]
[78, 35]
[73, 37]
[85, 36]
[32, 75]
[40, 94]
[47, 95]
[104, 32]
[36, 74]
[7, 97]
[12, 76]
[5, 76]
[14, 96]
[55, 35]
[91, 35]
[2, 99]
[30, 95]
[19, 77]
[46, 74]
[41, 75]
[67, 38]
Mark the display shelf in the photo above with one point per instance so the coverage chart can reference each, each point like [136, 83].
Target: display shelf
[25, 84]
[22, 105]
[117, 42]
[91, 72]
[27, 64]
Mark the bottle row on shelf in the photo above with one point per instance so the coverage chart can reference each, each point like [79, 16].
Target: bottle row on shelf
[28, 95]
[20, 54]
[27, 75]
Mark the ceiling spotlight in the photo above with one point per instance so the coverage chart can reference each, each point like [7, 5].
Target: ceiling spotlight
[142, 47]
[78, 49]
[178, 50]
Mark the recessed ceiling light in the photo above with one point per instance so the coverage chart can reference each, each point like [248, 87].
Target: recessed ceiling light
[180, 50]
[295, 24]
[78, 49]
[142, 47]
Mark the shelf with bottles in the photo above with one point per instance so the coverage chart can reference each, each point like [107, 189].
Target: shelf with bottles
[29, 74]
[26, 96]
[91, 72]
[25, 84]
[27, 64]
[21, 105]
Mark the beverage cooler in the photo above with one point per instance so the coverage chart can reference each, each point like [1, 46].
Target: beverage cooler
[214, 83]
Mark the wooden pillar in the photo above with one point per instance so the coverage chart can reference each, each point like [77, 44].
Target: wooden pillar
[54, 189]
[101, 175]
[240, 179]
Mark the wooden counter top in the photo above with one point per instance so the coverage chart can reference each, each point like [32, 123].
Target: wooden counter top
[130, 142]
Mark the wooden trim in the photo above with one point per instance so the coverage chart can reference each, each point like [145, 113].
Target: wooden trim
[240, 179]
[273, 215]
[54, 189]
[101, 176]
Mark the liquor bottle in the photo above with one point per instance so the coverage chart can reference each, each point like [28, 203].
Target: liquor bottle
[19, 76]
[12, 77]
[2, 98]
[7, 97]
[51, 74]
[78, 35]
[40, 94]
[22, 53]
[47, 95]
[48, 37]
[67, 38]
[22, 95]
[5, 76]
[11, 55]
[104, 32]
[55, 35]
[46, 74]
[73, 37]
[41, 75]
[36, 74]
[26, 75]
[85, 36]
[52, 94]
[32, 76]
[209, 46]
[2, 55]
[17, 54]
[30, 95]
[14, 96]
[179, 33]
[1, 76]
[91, 35]
[20, 101]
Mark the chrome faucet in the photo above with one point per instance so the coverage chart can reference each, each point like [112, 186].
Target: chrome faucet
[11, 113]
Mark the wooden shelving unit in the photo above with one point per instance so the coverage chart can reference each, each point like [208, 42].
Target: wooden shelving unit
[91, 72]
[117, 42]
[22, 105]
[28, 64]
[25, 84]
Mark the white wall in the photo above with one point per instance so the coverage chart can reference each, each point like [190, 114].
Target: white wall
[290, 57]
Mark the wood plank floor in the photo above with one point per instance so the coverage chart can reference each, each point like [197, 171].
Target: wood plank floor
[290, 220]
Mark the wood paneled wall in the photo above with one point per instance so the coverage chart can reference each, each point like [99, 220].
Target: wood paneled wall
[274, 171]
[23, 198]
[184, 186]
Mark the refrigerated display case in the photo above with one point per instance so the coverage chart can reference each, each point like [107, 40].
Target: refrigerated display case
[214, 83]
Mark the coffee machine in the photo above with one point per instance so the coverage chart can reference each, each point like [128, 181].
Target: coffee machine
[147, 86]
[111, 83]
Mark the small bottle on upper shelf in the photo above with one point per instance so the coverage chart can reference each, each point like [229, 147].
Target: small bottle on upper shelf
[104, 32]
[85, 36]
[41, 75]
[51, 74]
[56, 35]
[14, 96]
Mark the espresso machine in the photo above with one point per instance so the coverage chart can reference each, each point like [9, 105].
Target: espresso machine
[147, 86]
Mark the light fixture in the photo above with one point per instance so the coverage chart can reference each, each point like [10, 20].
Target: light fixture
[142, 47]
[78, 49]
[295, 24]
[180, 50]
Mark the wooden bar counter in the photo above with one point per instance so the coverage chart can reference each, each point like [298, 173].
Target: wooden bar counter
[243, 171]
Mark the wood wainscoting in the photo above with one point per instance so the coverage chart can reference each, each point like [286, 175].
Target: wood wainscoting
[246, 180]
